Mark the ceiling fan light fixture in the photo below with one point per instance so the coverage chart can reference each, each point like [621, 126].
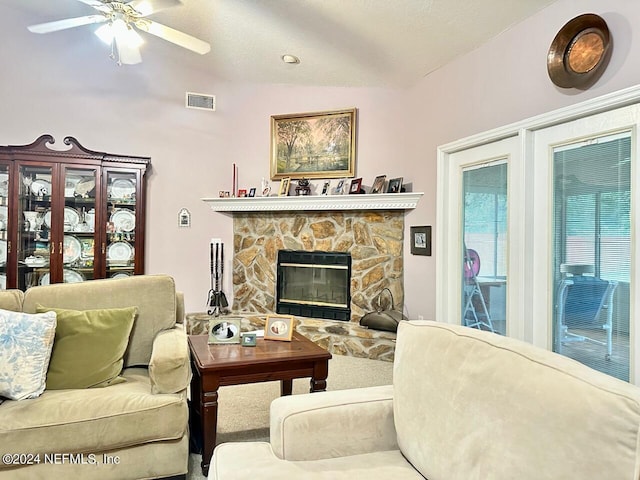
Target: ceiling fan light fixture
[121, 31]
[132, 38]
[119, 27]
[105, 33]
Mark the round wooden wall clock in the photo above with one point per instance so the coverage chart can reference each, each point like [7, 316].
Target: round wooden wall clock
[579, 52]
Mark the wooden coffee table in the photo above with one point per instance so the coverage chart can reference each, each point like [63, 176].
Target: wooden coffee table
[214, 366]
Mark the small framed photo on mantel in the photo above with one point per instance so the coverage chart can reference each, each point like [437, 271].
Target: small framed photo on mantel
[378, 184]
[284, 187]
[279, 327]
[356, 184]
[395, 185]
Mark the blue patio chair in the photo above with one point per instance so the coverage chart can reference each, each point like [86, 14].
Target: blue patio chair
[585, 303]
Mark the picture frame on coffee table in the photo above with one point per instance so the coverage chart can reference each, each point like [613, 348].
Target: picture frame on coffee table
[249, 340]
[224, 330]
[279, 327]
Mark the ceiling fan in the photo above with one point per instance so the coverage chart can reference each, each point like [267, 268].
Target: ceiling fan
[121, 19]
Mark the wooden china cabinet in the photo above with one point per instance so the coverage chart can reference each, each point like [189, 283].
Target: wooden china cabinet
[69, 215]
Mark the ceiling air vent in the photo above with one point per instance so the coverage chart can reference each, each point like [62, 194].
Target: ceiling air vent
[200, 101]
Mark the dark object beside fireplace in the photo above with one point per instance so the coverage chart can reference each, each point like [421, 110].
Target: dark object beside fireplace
[314, 284]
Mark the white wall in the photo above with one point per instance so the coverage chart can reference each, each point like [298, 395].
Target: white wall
[139, 110]
[48, 88]
[502, 82]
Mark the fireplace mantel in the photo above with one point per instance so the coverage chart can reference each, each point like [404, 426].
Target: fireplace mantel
[381, 201]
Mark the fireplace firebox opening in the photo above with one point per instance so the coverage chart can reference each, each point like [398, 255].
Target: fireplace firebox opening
[314, 284]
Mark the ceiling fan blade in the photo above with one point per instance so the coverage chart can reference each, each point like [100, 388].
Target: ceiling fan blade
[147, 7]
[127, 54]
[174, 36]
[66, 23]
[97, 4]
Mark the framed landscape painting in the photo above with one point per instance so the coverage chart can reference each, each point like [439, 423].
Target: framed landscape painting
[313, 145]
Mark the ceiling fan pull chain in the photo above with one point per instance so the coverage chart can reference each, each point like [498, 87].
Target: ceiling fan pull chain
[115, 53]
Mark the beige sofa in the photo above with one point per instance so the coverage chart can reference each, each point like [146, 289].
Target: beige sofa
[137, 429]
[464, 405]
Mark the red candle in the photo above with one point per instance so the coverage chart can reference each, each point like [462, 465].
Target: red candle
[233, 187]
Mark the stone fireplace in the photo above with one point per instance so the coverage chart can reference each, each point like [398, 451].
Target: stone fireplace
[374, 240]
[368, 227]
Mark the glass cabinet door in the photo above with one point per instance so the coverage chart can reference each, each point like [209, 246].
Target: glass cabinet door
[34, 224]
[78, 243]
[121, 224]
[4, 224]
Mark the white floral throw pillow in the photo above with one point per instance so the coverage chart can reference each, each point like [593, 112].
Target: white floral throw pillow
[26, 341]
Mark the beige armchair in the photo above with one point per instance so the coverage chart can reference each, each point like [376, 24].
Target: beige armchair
[137, 429]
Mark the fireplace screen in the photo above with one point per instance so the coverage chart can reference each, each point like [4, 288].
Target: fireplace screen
[314, 284]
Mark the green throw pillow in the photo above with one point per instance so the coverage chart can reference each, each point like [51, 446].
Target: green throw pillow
[89, 347]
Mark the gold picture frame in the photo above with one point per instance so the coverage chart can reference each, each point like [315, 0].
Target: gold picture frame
[279, 327]
[284, 187]
[224, 330]
[313, 145]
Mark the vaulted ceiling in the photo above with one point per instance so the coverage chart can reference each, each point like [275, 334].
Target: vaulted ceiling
[339, 42]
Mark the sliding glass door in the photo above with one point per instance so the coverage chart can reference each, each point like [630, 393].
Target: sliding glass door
[476, 268]
[585, 177]
[484, 246]
[537, 236]
[591, 261]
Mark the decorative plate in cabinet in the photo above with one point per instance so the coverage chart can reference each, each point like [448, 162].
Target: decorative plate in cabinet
[71, 250]
[123, 220]
[70, 276]
[119, 253]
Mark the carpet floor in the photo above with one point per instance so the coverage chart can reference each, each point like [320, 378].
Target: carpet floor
[243, 411]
